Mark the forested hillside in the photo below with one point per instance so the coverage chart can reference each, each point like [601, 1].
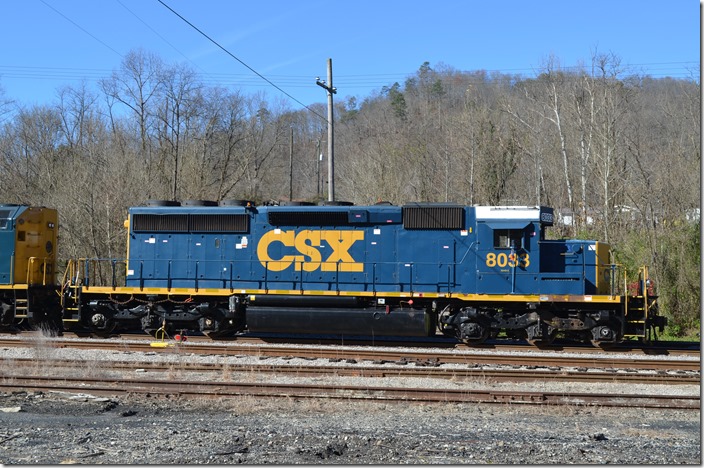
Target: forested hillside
[615, 153]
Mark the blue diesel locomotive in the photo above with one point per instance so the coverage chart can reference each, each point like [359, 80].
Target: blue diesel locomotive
[468, 272]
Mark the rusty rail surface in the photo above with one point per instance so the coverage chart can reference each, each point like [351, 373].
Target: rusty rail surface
[527, 358]
[409, 369]
[111, 387]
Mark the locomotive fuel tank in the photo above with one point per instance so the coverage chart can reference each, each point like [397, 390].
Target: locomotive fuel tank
[334, 316]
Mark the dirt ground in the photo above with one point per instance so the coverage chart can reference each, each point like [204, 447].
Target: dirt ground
[57, 428]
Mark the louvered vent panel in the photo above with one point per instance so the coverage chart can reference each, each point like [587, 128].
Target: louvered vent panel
[160, 223]
[308, 218]
[219, 223]
[433, 217]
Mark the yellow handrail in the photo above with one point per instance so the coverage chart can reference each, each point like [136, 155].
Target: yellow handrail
[30, 269]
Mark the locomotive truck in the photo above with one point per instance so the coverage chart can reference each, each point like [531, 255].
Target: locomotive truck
[469, 272]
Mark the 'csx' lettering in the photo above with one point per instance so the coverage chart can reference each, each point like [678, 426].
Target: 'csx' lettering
[305, 248]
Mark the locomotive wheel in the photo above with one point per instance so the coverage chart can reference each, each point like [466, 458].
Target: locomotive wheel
[607, 332]
[107, 331]
[474, 341]
[101, 324]
[543, 341]
[540, 334]
[215, 335]
[602, 344]
[472, 333]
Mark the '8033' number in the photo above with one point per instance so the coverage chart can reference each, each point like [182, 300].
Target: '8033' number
[503, 259]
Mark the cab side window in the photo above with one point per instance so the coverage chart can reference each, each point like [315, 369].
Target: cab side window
[505, 238]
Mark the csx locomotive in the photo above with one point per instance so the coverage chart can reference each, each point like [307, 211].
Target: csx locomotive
[469, 272]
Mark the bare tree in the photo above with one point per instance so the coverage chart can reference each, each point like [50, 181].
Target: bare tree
[610, 159]
[178, 109]
[137, 85]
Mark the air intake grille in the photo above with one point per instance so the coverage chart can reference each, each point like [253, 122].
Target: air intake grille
[433, 217]
[308, 218]
[219, 223]
[160, 223]
[190, 223]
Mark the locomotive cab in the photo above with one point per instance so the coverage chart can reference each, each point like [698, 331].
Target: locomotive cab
[514, 256]
[508, 248]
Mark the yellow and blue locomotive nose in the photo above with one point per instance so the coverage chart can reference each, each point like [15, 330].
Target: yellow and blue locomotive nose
[27, 244]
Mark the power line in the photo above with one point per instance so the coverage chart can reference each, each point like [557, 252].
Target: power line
[80, 27]
[153, 30]
[240, 61]
[349, 81]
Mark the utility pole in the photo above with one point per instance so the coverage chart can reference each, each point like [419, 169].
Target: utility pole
[330, 91]
[290, 167]
[318, 158]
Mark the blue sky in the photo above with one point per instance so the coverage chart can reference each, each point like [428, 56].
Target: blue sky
[52, 43]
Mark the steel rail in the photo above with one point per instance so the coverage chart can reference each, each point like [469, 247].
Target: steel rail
[665, 349]
[483, 374]
[199, 389]
[428, 357]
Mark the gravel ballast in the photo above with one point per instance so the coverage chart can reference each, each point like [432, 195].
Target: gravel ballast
[55, 428]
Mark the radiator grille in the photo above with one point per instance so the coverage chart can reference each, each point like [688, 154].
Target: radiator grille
[433, 217]
[219, 223]
[190, 223]
[160, 223]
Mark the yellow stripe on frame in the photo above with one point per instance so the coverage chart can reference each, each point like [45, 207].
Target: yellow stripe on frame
[542, 298]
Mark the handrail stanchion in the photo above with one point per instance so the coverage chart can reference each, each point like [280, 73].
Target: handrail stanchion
[86, 274]
[197, 276]
[114, 274]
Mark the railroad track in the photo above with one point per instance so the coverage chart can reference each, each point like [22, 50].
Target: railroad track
[658, 348]
[530, 359]
[177, 378]
[200, 389]
[351, 370]
[627, 347]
